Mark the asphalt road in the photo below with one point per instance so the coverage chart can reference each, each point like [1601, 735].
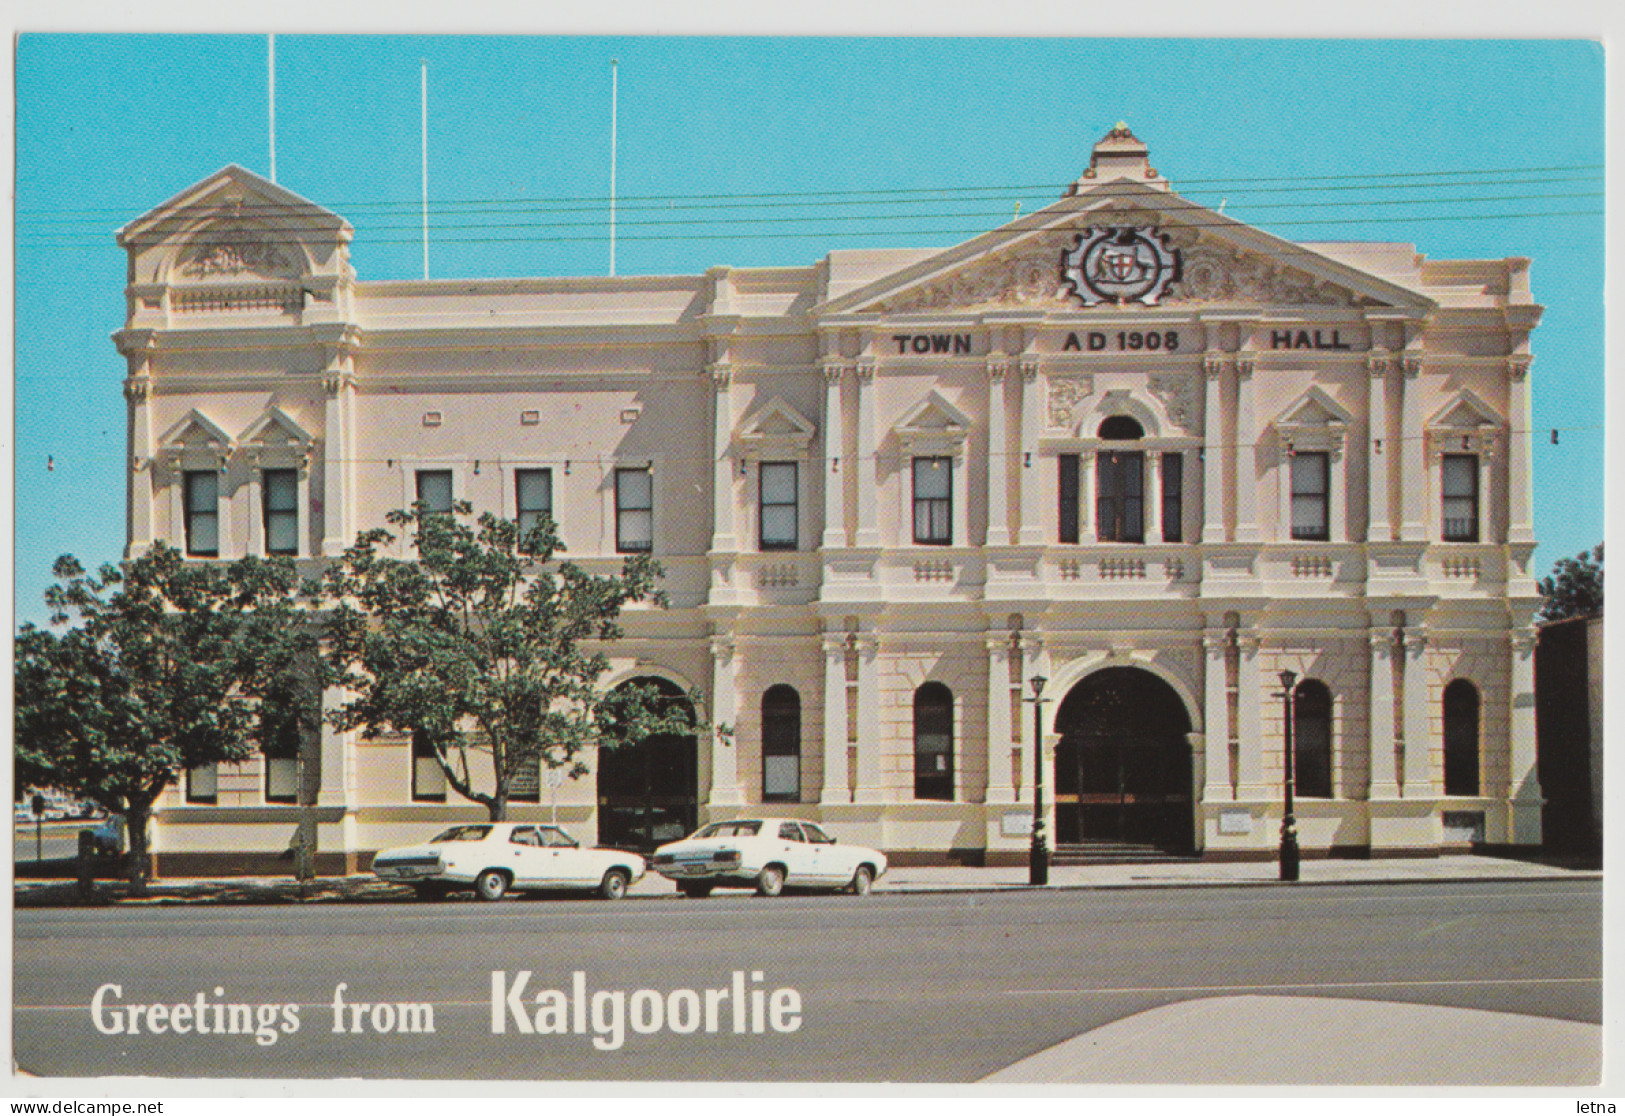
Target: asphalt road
[926, 987]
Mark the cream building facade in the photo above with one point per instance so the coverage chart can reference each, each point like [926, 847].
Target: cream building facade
[1128, 444]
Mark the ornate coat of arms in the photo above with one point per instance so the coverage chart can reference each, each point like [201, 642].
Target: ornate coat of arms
[1120, 265]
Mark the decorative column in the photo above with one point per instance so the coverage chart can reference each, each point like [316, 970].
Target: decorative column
[1086, 497]
[1488, 520]
[1152, 496]
[834, 485]
[1417, 778]
[1413, 475]
[1000, 789]
[1383, 760]
[1246, 451]
[722, 473]
[256, 498]
[1519, 528]
[837, 790]
[1032, 422]
[869, 788]
[725, 788]
[138, 493]
[868, 461]
[1523, 789]
[1213, 448]
[1380, 448]
[998, 456]
[338, 509]
[1249, 717]
[1216, 715]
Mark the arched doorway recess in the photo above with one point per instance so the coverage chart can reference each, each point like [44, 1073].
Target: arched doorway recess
[648, 792]
[1123, 765]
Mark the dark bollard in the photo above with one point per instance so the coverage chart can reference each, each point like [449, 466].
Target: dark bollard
[85, 863]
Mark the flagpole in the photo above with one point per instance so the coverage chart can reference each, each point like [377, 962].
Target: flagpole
[614, 102]
[424, 132]
[271, 71]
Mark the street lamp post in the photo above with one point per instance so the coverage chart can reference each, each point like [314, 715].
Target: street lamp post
[1038, 855]
[1289, 824]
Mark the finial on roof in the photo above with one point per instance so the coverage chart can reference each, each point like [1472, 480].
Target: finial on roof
[1119, 154]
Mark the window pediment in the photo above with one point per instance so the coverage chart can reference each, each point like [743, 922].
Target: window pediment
[1315, 422]
[276, 438]
[933, 423]
[1466, 424]
[196, 439]
[777, 428]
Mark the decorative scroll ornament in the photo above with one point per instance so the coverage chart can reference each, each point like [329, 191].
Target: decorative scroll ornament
[1066, 395]
[1177, 391]
[1120, 264]
[235, 257]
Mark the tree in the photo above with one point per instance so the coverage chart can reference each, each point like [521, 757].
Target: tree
[485, 649]
[161, 670]
[1574, 587]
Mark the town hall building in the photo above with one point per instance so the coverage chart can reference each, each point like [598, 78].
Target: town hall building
[1126, 444]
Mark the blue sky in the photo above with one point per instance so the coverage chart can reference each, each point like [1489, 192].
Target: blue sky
[109, 126]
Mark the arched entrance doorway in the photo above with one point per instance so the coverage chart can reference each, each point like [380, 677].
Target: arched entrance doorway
[648, 792]
[1123, 765]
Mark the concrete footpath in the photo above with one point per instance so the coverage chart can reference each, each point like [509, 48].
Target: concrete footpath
[368, 888]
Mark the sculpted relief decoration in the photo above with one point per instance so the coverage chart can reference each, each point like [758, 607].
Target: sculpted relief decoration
[1177, 393]
[1066, 396]
[1029, 274]
[231, 256]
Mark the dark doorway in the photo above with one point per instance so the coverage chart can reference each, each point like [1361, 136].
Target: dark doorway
[648, 792]
[1123, 766]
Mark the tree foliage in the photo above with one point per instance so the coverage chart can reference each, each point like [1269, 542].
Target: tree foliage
[163, 665]
[1574, 587]
[483, 647]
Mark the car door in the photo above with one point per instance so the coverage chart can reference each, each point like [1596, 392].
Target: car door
[526, 858]
[570, 864]
[835, 863]
[800, 859]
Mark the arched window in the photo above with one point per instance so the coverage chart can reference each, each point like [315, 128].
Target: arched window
[1461, 738]
[1120, 495]
[1312, 739]
[934, 742]
[781, 745]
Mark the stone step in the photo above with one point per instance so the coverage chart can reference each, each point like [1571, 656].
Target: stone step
[1112, 852]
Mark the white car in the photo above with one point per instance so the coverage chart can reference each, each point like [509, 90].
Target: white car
[768, 854]
[494, 858]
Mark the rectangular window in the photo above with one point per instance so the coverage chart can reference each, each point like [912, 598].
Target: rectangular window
[526, 784]
[428, 779]
[1173, 497]
[1309, 496]
[1068, 463]
[282, 778]
[933, 500]
[634, 511]
[777, 527]
[1460, 497]
[202, 491]
[279, 489]
[203, 784]
[434, 489]
[533, 498]
[1120, 499]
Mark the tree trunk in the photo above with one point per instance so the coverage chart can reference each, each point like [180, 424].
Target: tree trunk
[139, 867]
[498, 807]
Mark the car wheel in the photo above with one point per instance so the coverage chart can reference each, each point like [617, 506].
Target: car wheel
[614, 885]
[862, 880]
[491, 885]
[770, 881]
[694, 890]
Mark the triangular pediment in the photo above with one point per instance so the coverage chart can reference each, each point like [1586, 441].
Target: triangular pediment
[236, 226]
[776, 424]
[196, 431]
[1221, 262]
[1464, 412]
[275, 430]
[1314, 408]
[932, 419]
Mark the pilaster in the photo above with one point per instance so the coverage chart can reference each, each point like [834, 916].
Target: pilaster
[1249, 718]
[1519, 523]
[725, 788]
[837, 789]
[1384, 760]
[1213, 364]
[1380, 448]
[1523, 791]
[1216, 715]
[1413, 486]
[834, 484]
[1000, 789]
[998, 459]
[869, 787]
[722, 474]
[1032, 420]
[1417, 779]
[868, 534]
[1246, 451]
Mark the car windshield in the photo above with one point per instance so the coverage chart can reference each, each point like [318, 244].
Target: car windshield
[462, 833]
[731, 829]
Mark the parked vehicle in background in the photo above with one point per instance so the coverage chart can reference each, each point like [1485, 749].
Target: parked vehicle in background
[768, 854]
[494, 858]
